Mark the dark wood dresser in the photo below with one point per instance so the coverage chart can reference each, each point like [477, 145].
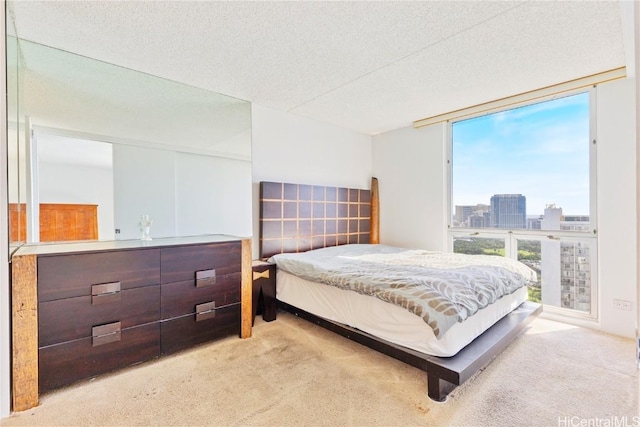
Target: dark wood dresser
[101, 306]
[96, 312]
[200, 294]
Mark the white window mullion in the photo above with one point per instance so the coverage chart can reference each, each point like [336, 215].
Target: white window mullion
[593, 161]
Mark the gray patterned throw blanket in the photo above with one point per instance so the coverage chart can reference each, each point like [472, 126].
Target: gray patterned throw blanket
[442, 288]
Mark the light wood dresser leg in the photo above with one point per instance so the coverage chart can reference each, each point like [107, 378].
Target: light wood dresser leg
[24, 297]
[247, 290]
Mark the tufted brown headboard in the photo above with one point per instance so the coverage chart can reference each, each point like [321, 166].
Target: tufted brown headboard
[299, 217]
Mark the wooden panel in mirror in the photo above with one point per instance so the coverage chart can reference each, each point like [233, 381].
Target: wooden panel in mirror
[59, 222]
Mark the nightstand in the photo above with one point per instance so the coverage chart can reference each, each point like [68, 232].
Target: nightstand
[264, 290]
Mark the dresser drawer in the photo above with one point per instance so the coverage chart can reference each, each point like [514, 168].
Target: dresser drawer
[186, 331]
[64, 364]
[73, 318]
[67, 276]
[180, 298]
[211, 261]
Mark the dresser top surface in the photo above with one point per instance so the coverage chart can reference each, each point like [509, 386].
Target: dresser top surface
[110, 245]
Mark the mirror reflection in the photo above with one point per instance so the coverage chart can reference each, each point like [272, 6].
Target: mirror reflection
[93, 147]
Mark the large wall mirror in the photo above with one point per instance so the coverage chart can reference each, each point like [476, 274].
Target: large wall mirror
[93, 147]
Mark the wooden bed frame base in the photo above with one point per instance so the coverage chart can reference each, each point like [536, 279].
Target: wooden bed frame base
[443, 373]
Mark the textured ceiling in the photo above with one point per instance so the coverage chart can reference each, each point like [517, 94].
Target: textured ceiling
[365, 66]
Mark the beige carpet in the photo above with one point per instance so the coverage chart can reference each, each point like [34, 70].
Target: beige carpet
[292, 372]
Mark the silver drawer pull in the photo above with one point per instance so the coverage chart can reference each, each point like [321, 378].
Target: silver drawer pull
[105, 334]
[205, 311]
[205, 278]
[106, 292]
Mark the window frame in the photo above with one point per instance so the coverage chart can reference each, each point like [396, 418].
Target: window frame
[511, 236]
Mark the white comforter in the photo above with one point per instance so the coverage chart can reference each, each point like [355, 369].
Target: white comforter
[442, 288]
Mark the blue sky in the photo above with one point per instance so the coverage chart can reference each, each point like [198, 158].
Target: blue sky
[540, 151]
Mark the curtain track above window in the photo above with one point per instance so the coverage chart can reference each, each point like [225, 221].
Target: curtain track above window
[512, 101]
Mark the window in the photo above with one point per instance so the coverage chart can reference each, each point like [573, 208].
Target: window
[521, 187]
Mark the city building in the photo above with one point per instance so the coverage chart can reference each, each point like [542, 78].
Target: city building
[464, 213]
[480, 220]
[534, 223]
[565, 265]
[508, 211]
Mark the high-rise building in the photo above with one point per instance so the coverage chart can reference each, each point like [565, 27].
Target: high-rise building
[534, 223]
[508, 211]
[566, 265]
[575, 223]
[479, 220]
[464, 213]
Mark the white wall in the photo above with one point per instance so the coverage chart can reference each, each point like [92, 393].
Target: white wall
[73, 183]
[209, 188]
[184, 194]
[411, 164]
[72, 170]
[144, 183]
[289, 148]
[617, 234]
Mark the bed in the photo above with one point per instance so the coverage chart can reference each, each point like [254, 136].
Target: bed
[320, 238]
